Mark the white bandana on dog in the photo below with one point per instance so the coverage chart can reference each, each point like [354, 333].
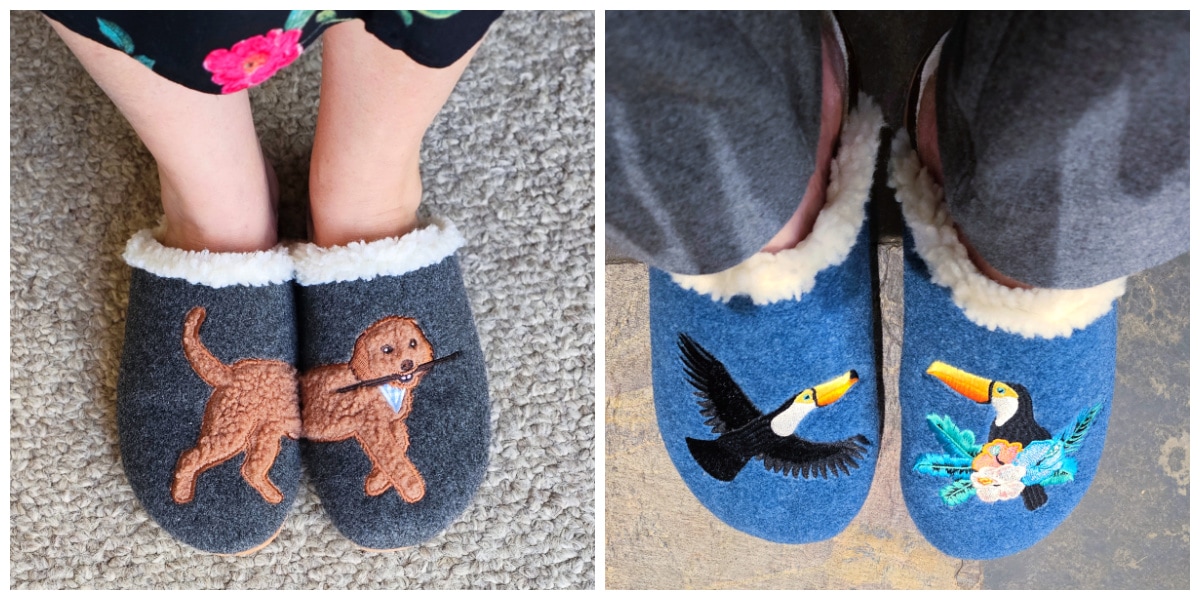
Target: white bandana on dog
[393, 395]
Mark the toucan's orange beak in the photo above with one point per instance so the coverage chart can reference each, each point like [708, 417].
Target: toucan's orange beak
[827, 393]
[971, 386]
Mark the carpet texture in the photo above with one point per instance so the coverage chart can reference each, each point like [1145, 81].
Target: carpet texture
[509, 160]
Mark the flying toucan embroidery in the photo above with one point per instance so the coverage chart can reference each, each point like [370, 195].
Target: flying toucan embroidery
[746, 433]
[1020, 456]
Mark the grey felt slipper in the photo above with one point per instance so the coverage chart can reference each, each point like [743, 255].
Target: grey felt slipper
[207, 402]
[394, 387]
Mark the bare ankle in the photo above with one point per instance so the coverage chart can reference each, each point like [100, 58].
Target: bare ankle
[378, 204]
[187, 235]
[196, 224]
[362, 226]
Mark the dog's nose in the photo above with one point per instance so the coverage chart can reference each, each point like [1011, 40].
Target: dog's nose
[407, 365]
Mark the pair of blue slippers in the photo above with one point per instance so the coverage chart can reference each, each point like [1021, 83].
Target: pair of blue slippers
[766, 380]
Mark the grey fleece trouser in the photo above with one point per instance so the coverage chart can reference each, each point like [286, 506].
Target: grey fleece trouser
[1063, 136]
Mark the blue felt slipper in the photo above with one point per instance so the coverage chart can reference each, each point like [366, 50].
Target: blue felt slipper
[765, 374]
[1005, 393]
[207, 405]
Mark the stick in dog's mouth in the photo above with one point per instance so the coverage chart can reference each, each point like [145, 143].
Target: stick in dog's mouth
[401, 377]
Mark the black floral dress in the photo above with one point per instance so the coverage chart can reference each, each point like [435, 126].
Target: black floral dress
[221, 52]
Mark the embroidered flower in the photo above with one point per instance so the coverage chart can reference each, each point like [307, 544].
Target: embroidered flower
[998, 483]
[996, 453]
[253, 60]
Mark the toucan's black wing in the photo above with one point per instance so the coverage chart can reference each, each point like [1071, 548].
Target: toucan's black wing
[722, 401]
[799, 457]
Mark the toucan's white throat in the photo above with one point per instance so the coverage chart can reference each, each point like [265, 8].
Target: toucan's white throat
[1005, 409]
[786, 422]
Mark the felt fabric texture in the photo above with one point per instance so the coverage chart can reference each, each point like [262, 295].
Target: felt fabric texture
[162, 400]
[773, 352]
[447, 422]
[509, 158]
[1066, 377]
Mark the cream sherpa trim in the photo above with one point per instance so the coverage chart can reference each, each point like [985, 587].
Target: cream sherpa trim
[214, 269]
[790, 274]
[1040, 312]
[368, 260]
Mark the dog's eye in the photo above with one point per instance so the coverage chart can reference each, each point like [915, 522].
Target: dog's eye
[412, 343]
[387, 349]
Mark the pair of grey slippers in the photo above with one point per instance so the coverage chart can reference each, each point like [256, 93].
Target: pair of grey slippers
[359, 364]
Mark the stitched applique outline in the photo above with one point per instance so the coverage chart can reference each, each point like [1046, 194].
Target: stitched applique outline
[746, 433]
[1019, 458]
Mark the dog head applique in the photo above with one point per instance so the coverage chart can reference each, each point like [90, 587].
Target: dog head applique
[370, 398]
[394, 348]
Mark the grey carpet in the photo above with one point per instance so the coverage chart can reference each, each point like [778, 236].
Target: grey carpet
[510, 160]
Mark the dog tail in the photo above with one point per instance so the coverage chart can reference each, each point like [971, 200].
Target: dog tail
[207, 366]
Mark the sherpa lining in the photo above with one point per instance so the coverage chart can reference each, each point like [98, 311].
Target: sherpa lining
[791, 273]
[213, 269]
[367, 260]
[1040, 312]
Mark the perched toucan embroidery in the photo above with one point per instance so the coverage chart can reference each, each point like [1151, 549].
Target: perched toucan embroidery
[1020, 456]
[746, 433]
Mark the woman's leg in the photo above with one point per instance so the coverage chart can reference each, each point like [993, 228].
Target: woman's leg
[217, 188]
[376, 103]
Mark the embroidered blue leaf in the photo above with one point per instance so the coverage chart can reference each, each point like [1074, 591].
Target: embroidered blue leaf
[1064, 474]
[118, 36]
[405, 16]
[326, 15]
[145, 60]
[297, 19]
[1072, 437]
[957, 441]
[944, 465]
[957, 492]
[1041, 459]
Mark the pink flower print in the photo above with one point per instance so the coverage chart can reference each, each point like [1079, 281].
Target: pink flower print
[996, 453]
[253, 60]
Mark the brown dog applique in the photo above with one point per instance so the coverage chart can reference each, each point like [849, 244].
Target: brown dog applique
[253, 405]
[370, 398]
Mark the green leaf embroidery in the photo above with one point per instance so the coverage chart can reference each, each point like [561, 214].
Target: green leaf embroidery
[326, 15]
[297, 19]
[957, 492]
[406, 16]
[1072, 437]
[956, 441]
[145, 60]
[944, 465]
[118, 36]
